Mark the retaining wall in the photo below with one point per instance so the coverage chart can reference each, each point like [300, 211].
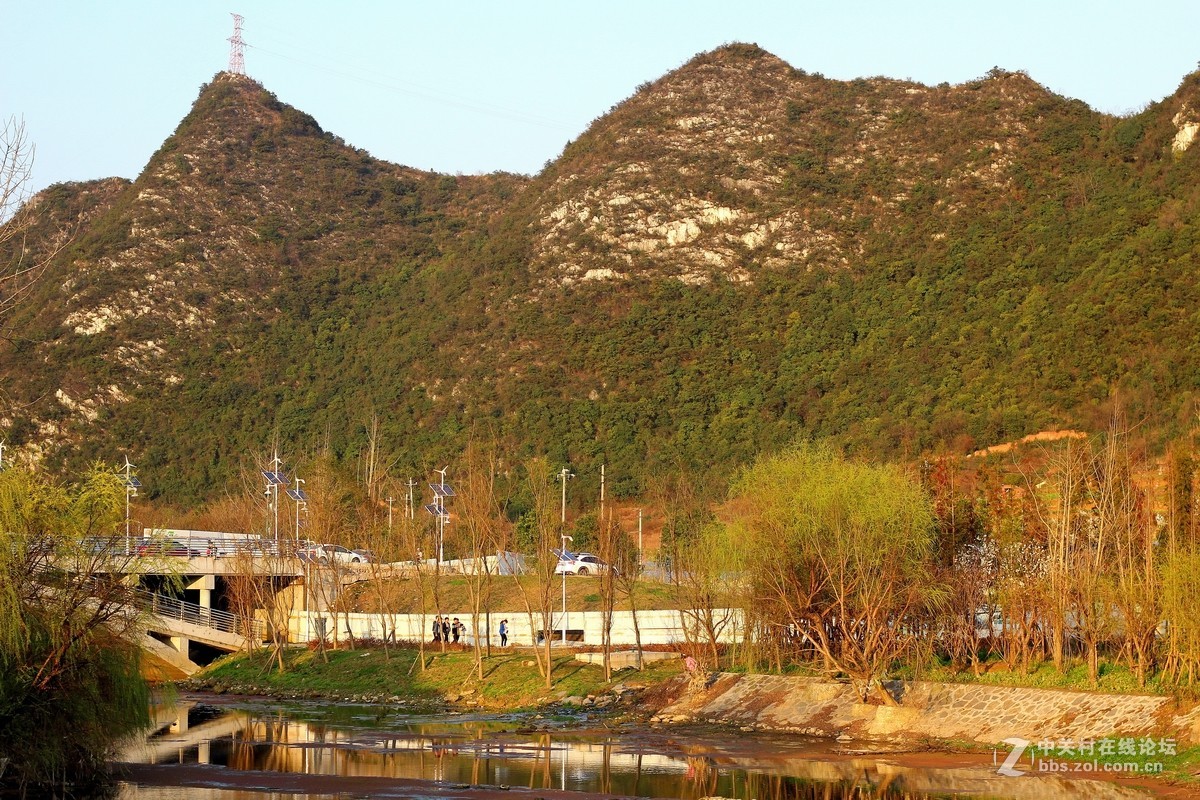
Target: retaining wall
[986, 714]
[657, 627]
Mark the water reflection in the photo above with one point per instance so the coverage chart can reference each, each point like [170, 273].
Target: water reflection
[496, 751]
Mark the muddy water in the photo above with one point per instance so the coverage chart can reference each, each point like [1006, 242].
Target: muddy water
[227, 750]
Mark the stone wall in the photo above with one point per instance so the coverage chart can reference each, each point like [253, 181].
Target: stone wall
[985, 714]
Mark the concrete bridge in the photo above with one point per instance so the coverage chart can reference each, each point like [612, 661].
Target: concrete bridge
[172, 625]
[185, 632]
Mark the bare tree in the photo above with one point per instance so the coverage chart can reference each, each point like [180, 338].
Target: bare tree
[610, 534]
[415, 541]
[20, 265]
[480, 522]
[627, 573]
[545, 542]
[1134, 566]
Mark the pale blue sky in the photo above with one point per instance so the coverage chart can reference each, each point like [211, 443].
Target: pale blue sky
[473, 87]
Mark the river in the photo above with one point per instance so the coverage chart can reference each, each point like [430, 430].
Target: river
[221, 748]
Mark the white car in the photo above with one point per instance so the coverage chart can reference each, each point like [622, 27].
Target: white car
[335, 554]
[580, 564]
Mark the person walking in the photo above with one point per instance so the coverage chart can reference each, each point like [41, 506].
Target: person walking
[437, 629]
[445, 629]
[504, 633]
[456, 630]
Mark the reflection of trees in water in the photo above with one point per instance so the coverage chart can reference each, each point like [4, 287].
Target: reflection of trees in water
[545, 761]
[782, 787]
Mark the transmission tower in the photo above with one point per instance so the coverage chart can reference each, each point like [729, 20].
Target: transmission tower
[237, 65]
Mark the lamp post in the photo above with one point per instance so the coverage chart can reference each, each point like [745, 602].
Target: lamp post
[131, 486]
[301, 497]
[437, 508]
[275, 463]
[566, 618]
[275, 478]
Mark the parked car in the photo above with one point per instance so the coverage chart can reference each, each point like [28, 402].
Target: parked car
[167, 547]
[580, 564]
[368, 556]
[335, 554]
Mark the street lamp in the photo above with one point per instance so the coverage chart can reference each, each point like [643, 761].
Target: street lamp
[275, 479]
[301, 499]
[566, 618]
[131, 486]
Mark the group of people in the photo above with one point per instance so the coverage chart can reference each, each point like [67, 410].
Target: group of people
[450, 630]
[444, 629]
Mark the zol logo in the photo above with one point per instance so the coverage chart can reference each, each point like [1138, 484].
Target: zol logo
[1008, 768]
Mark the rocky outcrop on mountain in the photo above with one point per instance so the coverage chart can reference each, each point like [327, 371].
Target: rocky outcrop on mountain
[738, 163]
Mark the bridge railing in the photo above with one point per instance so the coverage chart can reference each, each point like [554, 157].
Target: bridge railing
[174, 608]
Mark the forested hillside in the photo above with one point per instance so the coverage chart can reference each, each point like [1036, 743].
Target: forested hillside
[738, 255]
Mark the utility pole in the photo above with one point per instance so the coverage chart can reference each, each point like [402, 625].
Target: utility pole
[411, 503]
[389, 502]
[565, 475]
[566, 616]
[639, 536]
[602, 492]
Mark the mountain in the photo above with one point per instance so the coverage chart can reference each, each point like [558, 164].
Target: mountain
[739, 254]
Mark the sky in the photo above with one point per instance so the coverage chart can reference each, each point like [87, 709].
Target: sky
[469, 87]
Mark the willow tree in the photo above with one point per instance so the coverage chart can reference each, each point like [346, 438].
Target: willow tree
[70, 686]
[842, 551]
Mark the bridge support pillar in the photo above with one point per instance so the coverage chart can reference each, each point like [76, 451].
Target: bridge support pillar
[180, 644]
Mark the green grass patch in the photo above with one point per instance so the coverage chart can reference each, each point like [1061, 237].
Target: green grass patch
[1114, 678]
[511, 680]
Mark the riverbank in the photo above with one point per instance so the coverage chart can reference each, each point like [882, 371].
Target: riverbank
[1069, 727]
[510, 681]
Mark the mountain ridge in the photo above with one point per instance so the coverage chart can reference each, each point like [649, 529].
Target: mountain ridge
[738, 254]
